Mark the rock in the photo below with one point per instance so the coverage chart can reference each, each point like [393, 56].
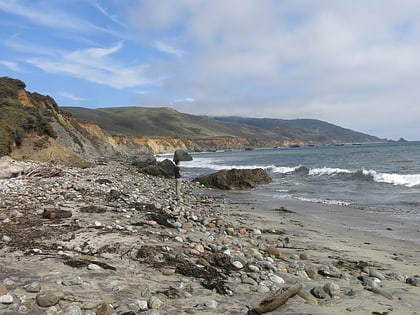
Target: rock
[332, 289]
[235, 179]
[163, 169]
[182, 155]
[414, 281]
[237, 264]
[33, 287]
[105, 309]
[211, 304]
[154, 303]
[47, 299]
[144, 160]
[6, 238]
[10, 167]
[3, 289]
[375, 273]
[319, 293]
[6, 299]
[273, 251]
[73, 310]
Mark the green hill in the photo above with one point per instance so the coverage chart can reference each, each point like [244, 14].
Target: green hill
[167, 122]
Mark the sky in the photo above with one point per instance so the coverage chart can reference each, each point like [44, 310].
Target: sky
[355, 64]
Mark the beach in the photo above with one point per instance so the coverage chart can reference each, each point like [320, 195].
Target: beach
[109, 240]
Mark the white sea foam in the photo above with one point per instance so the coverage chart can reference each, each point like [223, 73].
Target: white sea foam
[328, 171]
[217, 165]
[408, 180]
[284, 169]
[326, 201]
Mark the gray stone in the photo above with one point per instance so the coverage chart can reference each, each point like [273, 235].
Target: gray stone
[47, 299]
[319, 293]
[33, 287]
[332, 289]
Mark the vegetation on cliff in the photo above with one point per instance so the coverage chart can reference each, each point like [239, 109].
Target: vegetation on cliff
[167, 122]
[17, 120]
[33, 125]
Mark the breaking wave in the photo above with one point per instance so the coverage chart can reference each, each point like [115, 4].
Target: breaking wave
[407, 180]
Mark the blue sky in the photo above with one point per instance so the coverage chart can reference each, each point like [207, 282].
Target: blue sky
[352, 63]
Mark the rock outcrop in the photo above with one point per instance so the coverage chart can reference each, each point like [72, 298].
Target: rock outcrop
[182, 155]
[235, 179]
[161, 169]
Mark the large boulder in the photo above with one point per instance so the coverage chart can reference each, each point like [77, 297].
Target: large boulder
[10, 167]
[182, 155]
[144, 160]
[235, 179]
[163, 169]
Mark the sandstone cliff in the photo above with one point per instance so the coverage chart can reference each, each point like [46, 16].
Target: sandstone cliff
[68, 140]
[33, 126]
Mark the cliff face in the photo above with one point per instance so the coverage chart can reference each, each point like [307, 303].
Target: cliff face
[68, 140]
[32, 126]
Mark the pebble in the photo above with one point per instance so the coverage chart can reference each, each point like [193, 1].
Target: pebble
[254, 263]
[212, 304]
[332, 289]
[6, 299]
[237, 264]
[33, 287]
[3, 289]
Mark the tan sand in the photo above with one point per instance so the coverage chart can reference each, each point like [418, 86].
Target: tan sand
[332, 243]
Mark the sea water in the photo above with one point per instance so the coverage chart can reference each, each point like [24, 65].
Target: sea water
[380, 179]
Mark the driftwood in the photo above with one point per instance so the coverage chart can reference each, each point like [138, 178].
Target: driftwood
[44, 171]
[279, 298]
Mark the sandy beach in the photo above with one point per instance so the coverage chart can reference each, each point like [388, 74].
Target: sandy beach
[130, 248]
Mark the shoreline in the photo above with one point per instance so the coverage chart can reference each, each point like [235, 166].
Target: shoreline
[130, 247]
[341, 216]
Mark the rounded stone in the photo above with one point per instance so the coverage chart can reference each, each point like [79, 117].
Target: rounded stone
[47, 299]
[332, 289]
[211, 304]
[237, 264]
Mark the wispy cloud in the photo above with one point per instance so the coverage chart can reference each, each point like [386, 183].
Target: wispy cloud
[72, 97]
[11, 65]
[187, 100]
[47, 15]
[161, 46]
[43, 15]
[105, 12]
[95, 65]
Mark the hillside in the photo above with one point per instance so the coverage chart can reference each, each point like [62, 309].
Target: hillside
[33, 126]
[166, 122]
[162, 122]
[306, 130]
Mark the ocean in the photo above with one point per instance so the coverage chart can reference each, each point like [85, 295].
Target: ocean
[377, 180]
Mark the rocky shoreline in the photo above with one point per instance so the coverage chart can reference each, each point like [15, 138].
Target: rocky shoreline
[109, 240]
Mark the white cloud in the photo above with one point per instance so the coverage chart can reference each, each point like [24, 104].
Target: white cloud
[187, 100]
[11, 65]
[161, 46]
[320, 59]
[95, 65]
[105, 12]
[71, 96]
[352, 63]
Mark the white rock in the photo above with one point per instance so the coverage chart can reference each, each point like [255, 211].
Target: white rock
[6, 238]
[237, 264]
[93, 267]
[211, 304]
[6, 299]
[276, 279]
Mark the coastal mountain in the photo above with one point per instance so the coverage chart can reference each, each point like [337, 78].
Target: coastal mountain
[167, 122]
[34, 126]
